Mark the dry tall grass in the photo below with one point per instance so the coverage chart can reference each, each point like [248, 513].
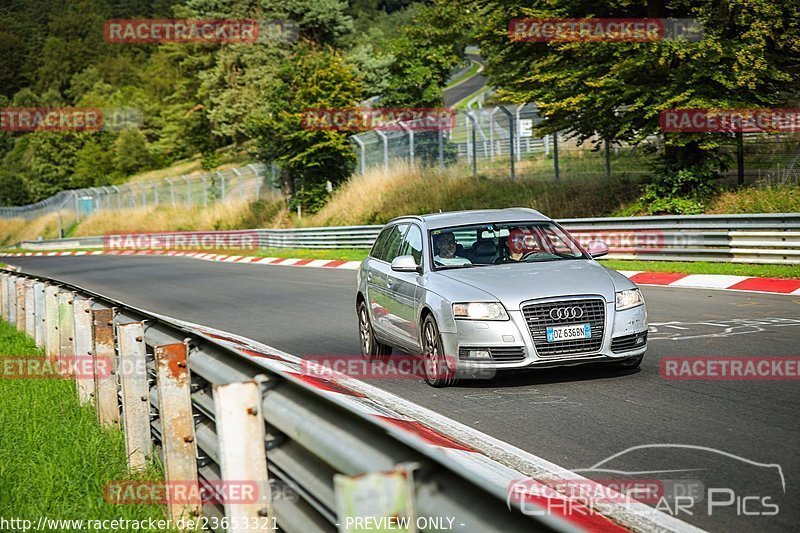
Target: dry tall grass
[362, 197]
[14, 230]
[220, 216]
[378, 196]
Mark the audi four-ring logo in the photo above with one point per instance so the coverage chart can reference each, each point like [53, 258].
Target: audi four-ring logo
[566, 313]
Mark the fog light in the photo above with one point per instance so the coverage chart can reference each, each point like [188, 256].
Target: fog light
[479, 354]
[640, 339]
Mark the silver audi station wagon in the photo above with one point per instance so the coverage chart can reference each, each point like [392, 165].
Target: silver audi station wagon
[494, 290]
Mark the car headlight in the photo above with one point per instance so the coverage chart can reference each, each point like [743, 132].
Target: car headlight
[628, 299]
[480, 311]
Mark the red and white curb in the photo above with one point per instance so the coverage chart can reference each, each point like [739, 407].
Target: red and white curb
[715, 281]
[283, 261]
[668, 279]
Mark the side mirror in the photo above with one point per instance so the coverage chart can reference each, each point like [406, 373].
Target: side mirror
[406, 263]
[597, 248]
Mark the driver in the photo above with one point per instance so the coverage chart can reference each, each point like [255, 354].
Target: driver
[445, 246]
[520, 242]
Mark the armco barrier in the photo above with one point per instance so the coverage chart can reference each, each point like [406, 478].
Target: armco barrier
[763, 238]
[219, 409]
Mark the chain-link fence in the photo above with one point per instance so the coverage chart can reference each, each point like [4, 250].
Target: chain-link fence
[494, 141]
[767, 158]
[501, 141]
[248, 183]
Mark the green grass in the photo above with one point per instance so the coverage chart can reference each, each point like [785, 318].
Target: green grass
[55, 460]
[733, 269]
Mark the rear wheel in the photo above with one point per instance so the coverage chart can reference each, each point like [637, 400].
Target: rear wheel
[437, 373]
[371, 348]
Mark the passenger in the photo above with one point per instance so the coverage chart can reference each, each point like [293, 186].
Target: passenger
[445, 248]
[519, 243]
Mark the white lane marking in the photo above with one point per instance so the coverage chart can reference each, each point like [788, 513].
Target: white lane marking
[716, 281]
[726, 328]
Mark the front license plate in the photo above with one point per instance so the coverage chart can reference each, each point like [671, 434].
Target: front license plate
[569, 333]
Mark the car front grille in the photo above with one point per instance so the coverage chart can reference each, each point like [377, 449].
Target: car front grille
[629, 342]
[538, 318]
[505, 354]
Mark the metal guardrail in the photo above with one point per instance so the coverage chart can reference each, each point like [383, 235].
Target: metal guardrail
[187, 382]
[761, 238]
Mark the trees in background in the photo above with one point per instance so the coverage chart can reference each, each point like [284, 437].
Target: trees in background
[196, 98]
[749, 57]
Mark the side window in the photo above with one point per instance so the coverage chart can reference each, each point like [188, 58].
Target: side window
[412, 245]
[379, 243]
[393, 242]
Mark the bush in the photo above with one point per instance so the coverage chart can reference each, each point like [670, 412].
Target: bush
[683, 191]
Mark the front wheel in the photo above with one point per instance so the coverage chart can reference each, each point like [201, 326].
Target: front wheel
[437, 373]
[371, 348]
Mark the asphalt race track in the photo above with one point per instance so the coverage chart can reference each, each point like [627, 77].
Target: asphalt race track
[573, 417]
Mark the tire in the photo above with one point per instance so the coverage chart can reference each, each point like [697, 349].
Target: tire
[629, 364]
[437, 373]
[371, 348]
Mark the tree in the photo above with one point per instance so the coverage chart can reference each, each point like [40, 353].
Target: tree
[316, 76]
[425, 55]
[749, 56]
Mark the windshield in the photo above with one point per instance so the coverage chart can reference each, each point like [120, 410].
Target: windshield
[502, 243]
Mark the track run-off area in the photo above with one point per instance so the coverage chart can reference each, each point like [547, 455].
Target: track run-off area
[741, 437]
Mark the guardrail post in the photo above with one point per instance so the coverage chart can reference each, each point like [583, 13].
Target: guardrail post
[19, 291]
[66, 330]
[177, 424]
[39, 330]
[12, 299]
[82, 319]
[105, 366]
[51, 339]
[30, 315]
[135, 395]
[4, 295]
[241, 435]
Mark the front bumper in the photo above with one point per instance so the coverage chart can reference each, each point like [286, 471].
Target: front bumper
[513, 336]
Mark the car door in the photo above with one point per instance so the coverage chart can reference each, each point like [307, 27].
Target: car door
[403, 289]
[377, 291]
